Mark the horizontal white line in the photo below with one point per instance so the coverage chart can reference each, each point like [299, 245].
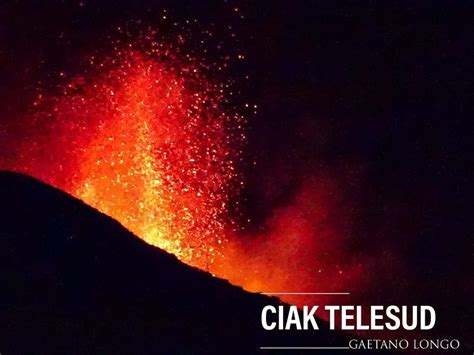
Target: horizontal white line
[304, 348]
[306, 293]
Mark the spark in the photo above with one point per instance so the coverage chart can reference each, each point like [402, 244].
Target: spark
[143, 136]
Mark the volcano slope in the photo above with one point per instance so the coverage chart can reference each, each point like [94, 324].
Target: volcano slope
[75, 281]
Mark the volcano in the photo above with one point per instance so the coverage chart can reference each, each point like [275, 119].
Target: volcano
[76, 281]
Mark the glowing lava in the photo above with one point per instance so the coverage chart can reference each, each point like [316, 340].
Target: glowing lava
[143, 135]
[143, 138]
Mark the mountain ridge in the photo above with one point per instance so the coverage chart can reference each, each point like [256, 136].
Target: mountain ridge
[76, 281]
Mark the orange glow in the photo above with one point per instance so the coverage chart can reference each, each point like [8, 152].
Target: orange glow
[143, 139]
[143, 136]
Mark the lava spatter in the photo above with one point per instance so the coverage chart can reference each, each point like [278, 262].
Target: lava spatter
[145, 133]
[143, 136]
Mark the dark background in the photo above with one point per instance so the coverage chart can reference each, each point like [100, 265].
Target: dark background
[382, 86]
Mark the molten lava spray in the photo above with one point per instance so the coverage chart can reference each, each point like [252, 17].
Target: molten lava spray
[143, 135]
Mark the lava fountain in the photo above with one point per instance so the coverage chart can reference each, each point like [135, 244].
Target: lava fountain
[143, 137]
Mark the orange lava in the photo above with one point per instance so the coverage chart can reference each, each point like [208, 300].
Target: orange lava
[144, 139]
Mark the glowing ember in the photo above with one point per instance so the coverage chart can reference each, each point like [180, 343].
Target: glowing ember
[143, 135]
[144, 139]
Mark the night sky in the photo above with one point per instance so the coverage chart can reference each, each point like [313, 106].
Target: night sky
[362, 111]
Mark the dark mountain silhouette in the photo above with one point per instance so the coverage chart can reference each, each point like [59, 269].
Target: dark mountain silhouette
[76, 281]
